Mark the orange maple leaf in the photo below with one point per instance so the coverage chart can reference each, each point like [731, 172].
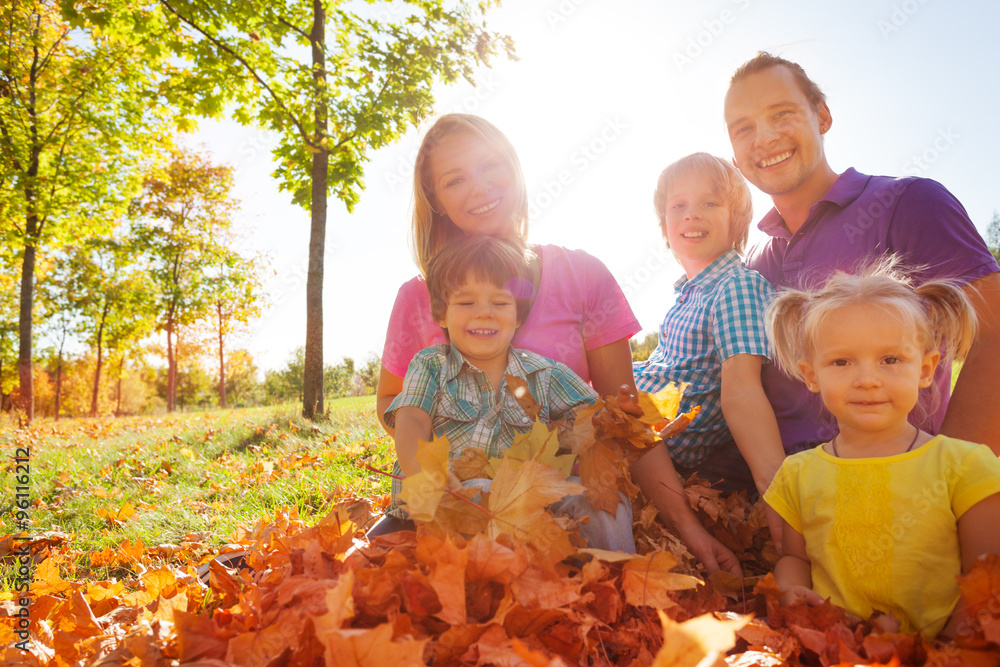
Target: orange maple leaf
[519, 389]
[446, 562]
[980, 588]
[371, 648]
[648, 580]
[603, 468]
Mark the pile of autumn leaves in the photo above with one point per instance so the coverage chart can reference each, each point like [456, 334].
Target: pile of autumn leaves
[487, 579]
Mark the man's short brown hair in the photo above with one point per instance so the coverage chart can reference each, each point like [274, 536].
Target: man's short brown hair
[764, 61]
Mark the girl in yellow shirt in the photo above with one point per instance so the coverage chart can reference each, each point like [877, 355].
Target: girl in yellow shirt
[884, 516]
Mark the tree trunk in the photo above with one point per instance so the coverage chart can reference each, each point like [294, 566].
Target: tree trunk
[59, 364]
[32, 234]
[97, 371]
[118, 400]
[222, 360]
[312, 390]
[25, 370]
[171, 369]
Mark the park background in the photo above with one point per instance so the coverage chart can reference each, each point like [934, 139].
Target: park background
[603, 96]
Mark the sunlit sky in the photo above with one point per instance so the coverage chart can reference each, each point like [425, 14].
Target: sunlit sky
[606, 94]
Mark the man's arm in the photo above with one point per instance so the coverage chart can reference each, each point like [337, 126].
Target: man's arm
[974, 410]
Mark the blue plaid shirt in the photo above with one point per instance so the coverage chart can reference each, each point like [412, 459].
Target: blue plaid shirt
[719, 313]
[464, 405]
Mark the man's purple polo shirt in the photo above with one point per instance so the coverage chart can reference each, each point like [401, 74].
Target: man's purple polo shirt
[860, 218]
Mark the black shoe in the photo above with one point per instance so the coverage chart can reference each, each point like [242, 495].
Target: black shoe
[231, 560]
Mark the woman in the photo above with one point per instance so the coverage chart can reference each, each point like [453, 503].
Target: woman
[468, 182]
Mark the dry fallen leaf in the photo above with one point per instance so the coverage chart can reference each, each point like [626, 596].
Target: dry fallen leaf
[519, 389]
[700, 642]
[422, 491]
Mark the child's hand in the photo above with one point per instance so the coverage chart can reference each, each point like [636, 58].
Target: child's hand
[454, 483]
[628, 401]
[797, 593]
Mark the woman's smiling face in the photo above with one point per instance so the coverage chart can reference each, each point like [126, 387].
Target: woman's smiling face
[474, 186]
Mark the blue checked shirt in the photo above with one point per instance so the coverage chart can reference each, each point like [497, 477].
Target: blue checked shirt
[719, 313]
[464, 406]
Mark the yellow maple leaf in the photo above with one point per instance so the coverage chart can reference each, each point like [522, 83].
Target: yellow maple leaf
[517, 503]
[701, 641]
[539, 444]
[663, 405]
[114, 517]
[422, 491]
[647, 580]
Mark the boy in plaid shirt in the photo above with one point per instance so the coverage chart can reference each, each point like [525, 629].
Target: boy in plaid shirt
[713, 337]
[480, 293]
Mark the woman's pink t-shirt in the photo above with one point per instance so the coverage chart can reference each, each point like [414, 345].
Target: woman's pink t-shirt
[579, 307]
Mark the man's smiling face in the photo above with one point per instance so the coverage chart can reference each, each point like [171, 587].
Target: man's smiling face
[775, 132]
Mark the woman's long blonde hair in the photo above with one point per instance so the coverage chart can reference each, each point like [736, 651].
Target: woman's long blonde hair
[432, 229]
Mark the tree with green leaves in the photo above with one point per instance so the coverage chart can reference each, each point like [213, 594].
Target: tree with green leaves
[112, 296]
[286, 384]
[641, 349]
[335, 80]
[993, 236]
[185, 209]
[237, 295]
[369, 373]
[77, 112]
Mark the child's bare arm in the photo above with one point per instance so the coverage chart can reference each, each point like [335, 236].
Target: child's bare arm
[412, 425]
[794, 569]
[750, 417]
[978, 534]
[656, 476]
[751, 420]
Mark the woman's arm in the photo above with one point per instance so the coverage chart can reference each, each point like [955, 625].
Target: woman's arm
[751, 421]
[656, 476]
[611, 367]
[389, 386]
[978, 534]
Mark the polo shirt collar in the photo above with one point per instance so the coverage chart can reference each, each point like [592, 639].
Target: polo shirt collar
[711, 274]
[848, 187]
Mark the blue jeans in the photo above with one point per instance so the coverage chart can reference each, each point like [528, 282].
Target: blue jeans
[726, 470]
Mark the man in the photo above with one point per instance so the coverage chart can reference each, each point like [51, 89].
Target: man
[821, 221]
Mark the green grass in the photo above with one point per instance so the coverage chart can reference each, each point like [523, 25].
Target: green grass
[211, 472]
